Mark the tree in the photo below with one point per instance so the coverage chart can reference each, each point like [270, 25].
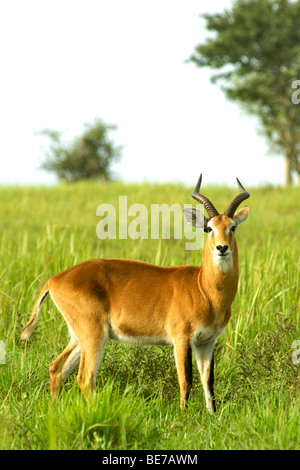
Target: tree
[89, 156]
[256, 47]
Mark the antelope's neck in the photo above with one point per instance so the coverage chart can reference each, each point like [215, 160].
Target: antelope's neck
[220, 285]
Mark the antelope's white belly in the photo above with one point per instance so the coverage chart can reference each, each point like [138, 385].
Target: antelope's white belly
[141, 340]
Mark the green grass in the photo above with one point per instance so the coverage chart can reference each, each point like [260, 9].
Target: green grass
[45, 230]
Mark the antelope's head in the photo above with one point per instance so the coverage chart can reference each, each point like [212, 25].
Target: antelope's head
[220, 227]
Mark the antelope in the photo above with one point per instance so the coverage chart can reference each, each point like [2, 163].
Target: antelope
[144, 304]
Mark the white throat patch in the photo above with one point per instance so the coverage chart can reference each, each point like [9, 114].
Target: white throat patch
[224, 263]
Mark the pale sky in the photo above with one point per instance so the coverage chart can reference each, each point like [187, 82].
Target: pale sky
[64, 62]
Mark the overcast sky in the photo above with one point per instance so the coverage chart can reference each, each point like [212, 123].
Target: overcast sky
[64, 62]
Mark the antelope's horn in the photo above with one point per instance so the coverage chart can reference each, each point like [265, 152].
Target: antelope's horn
[210, 208]
[237, 200]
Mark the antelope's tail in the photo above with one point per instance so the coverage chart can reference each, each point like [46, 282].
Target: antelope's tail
[28, 329]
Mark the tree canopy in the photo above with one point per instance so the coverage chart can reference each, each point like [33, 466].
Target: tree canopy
[256, 48]
[89, 156]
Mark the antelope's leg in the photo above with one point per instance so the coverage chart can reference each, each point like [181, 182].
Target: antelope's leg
[183, 358]
[91, 357]
[63, 365]
[205, 361]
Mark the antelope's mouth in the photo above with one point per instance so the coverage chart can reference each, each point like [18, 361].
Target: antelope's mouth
[223, 255]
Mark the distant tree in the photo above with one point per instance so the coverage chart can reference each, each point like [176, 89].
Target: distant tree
[88, 156]
[256, 47]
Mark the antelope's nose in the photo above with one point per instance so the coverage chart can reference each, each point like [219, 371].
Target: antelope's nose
[222, 248]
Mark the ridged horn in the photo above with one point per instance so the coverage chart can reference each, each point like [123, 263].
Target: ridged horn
[237, 200]
[210, 208]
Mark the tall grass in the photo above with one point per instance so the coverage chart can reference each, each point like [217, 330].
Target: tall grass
[45, 230]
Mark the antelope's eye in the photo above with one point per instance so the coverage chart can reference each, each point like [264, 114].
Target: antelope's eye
[208, 229]
[233, 228]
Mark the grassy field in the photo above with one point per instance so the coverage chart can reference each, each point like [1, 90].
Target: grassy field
[46, 230]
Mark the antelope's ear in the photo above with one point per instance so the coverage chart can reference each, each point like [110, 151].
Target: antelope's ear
[195, 217]
[241, 215]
